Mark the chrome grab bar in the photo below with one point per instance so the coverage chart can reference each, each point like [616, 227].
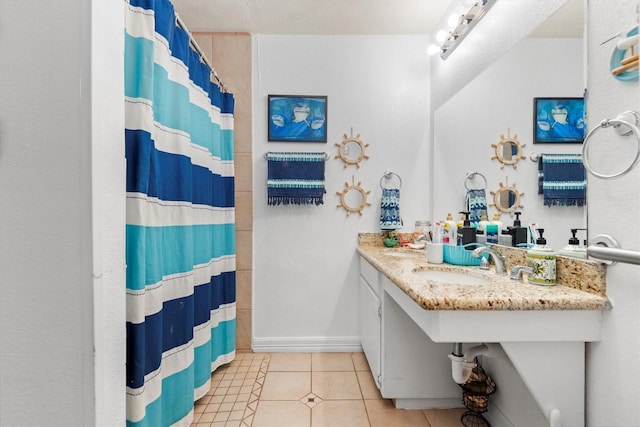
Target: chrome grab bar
[606, 249]
[614, 254]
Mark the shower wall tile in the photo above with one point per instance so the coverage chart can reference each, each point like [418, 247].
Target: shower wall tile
[244, 174]
[243, 329]
[243, 290]
[232, 51]
[242, 133]
[244, 210]
[230, 54]
[243, 249]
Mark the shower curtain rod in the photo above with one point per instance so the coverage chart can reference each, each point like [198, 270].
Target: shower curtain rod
[196, 46]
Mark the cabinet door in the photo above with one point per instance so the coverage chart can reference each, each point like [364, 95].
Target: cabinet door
[370, 328]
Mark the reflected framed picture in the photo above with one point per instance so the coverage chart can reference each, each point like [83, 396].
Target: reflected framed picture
[559, 120]
[297, 118]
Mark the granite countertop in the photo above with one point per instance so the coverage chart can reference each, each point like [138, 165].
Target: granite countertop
[502, 294]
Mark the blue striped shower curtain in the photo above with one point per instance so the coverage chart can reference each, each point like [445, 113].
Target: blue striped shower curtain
[180, 244]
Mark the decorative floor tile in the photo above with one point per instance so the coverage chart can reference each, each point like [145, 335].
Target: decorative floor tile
[337, 390]
[311, 400]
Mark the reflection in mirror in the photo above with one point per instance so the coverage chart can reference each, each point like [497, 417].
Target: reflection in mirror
[506, 198]
[353, 198]
[351, 150]
[550, 61]
[508, 150]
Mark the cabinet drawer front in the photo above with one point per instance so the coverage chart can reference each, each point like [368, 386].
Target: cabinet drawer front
[371, 275]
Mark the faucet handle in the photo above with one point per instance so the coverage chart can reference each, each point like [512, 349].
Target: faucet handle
[516, 272]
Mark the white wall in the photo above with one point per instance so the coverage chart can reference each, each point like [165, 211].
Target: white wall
[61, 342]
[612, 364]
[500, 29]
[305, 265]
[498, 101]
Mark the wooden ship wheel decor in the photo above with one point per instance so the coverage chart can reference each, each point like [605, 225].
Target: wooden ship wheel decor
[507, 198]
[353, 198]
[351, 150]
[508, 151]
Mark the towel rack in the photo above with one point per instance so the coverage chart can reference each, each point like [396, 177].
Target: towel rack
[471, 176]
[389, 175]
[326, 156]
[623, 125]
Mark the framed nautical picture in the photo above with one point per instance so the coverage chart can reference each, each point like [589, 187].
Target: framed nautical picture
[297, 118]
[558, 120]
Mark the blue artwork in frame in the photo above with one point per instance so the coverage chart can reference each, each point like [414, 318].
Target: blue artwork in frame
[297, 118]
[559, 120]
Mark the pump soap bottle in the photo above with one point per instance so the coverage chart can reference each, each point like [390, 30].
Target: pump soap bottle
[574, 249]
[518, 232]
[466, 233]
[542, 260]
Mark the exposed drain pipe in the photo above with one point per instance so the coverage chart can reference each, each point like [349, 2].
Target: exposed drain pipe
[462, 365]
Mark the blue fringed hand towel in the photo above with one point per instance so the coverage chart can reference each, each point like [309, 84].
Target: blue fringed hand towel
[390, 209]
[476, 203]
[295, 178]
[562, 180]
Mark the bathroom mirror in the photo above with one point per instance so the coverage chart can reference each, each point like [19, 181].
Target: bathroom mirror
[351, 150]
[353, 198]
[506, 198]
[508, 151]
[499, 100]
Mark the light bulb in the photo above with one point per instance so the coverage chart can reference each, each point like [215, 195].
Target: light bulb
[453, 20]
[441, 36]
[433, 49]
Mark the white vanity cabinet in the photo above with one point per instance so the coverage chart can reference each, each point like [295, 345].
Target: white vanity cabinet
[370, 317]
[406, 364]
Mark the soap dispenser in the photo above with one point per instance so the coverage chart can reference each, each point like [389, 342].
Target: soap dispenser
[542, 260]
[466, 233]
[518, 232]
[574, 249]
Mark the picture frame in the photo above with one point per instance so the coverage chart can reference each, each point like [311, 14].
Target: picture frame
[297, 118]
[559, 120]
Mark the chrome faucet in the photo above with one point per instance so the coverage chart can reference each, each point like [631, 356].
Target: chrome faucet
[516, 272]
[498, 259]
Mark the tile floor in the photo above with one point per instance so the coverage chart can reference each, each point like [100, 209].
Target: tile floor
[305, 390]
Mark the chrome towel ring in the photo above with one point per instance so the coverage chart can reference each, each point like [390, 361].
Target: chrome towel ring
[388, 175]
[471, 176]
[623, 125]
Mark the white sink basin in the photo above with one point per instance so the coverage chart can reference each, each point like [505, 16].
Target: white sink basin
[404, 253]
[451, 277]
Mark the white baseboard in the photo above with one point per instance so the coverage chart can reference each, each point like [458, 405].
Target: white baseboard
[306, 345]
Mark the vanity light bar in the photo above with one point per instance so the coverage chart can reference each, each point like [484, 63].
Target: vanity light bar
[465, 25]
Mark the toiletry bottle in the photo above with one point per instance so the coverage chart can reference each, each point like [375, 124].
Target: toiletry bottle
[496, 221]
[482, 224]
[450, 235]
[574, 249]
[505, 238]
[542, 260]
[492, 234]
[518, 232]
[466, 233]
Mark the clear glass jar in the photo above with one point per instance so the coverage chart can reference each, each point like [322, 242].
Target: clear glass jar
[422, 227]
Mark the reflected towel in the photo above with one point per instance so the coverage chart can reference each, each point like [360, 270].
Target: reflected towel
[562, 179]
[390, 209]
[295, 178]
[476, 202]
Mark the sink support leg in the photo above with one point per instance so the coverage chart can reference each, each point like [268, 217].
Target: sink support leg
[554, 373]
